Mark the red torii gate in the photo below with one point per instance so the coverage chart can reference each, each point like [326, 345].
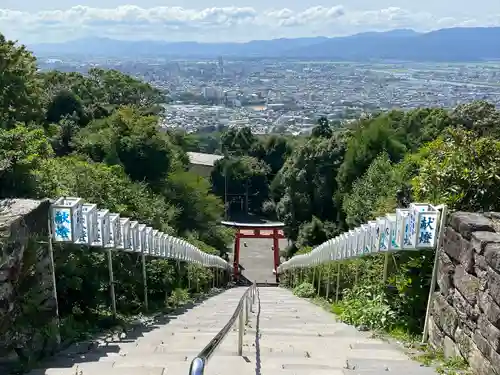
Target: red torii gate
[276, 233]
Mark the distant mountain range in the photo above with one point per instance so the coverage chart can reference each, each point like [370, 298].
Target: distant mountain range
[452, 45]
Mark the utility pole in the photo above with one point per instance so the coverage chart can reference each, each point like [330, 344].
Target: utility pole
[246, 197]
[226, 208]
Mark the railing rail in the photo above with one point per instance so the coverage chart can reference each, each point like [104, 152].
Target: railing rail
[242, 313]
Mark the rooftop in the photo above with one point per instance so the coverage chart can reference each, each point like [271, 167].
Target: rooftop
[197, 158]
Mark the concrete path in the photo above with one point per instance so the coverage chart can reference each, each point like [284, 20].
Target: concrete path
[287, 335]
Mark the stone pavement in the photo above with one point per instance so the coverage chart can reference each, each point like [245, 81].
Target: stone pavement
[257, 259]
[287, 335]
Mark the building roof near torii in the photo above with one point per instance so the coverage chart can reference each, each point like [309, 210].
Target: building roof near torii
[253, 225]
[198, 158]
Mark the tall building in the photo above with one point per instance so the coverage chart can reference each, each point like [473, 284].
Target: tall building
[220, 65]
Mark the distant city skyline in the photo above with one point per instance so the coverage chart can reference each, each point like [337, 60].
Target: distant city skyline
[231, 21]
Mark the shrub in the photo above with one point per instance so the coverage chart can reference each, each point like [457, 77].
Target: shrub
[178, 297]
[368, 306]
[304, 290]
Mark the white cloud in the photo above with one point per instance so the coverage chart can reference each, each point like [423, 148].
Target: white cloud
[213, 24]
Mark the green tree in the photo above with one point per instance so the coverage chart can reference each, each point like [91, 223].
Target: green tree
[243, 176]
[198, 220]
[61, 135]
[308, 180]
[21, 151]
[106, 186]
[64, 104]
[379, 181]
[316, 232]
[479, 116]
[323, 129]
[119, 89]
[462, 171]
[20, 86]
[276, 150]
[204, 209]
[421, 125]
[238, 142]
[102, 91]
[134, 141]
[372, 137]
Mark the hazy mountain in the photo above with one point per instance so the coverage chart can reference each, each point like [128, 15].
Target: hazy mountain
[454, 44]
[121, 48]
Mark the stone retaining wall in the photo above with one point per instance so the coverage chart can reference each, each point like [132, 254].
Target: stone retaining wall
[465, 316]
[27, 308]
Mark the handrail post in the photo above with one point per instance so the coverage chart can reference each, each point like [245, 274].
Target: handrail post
[241, 328]
[242, 314]
[250, 299]
[247, 310]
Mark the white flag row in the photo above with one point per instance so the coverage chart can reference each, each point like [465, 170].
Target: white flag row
[74, 221]
[414, 228]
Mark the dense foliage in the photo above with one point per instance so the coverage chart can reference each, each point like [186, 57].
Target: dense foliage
[97, 136]
[390, 160]
[343, 175]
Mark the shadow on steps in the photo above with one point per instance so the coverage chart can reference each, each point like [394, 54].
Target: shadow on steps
[107, 343]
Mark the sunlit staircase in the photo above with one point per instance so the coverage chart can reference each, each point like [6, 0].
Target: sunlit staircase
[166, 347]
[285, 335]
[257, 259]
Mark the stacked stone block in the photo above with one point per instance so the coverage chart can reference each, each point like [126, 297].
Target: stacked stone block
[28, 322]
[465, 316]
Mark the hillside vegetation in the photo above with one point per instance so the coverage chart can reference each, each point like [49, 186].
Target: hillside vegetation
[96, 136]
[341, 177]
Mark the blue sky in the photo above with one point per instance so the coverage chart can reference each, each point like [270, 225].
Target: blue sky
[33, 21]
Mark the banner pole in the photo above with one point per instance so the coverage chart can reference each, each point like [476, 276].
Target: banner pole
[439, 243]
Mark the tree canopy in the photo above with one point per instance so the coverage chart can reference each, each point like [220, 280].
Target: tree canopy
[97, 136]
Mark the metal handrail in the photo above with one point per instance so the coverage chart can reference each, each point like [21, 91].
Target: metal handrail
[242, 312]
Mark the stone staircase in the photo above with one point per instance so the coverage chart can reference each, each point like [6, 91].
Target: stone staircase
[285, 335]
[257, 259]
[300, 338]
[165, 348]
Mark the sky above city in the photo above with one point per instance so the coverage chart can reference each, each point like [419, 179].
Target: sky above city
[35, 21]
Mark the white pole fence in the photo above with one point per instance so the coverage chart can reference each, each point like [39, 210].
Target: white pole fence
[419, 227]
[74, 221]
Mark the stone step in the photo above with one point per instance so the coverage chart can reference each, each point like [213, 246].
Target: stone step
[102, 369]
[295, 338]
